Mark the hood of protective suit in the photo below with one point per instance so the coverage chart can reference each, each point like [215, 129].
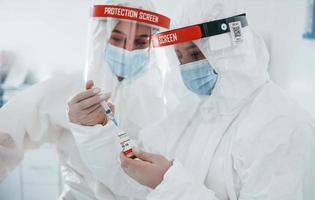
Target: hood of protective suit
[242, 68]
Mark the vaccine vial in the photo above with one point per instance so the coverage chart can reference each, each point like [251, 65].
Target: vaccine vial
[126, 144]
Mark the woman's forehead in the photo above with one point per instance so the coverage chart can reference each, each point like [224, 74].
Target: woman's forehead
[186, 46]
[127, 25]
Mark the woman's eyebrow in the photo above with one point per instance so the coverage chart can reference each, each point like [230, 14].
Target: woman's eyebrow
[119, 32]
[143, 35]
[138, 36]
[191, 46]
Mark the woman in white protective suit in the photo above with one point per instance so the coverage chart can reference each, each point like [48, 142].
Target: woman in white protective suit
[38, 115]
[236, 135]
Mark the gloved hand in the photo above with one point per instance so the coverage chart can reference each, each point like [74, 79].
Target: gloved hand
[85, 108]
[148, 169]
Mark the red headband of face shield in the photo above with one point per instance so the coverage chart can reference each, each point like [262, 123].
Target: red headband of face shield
[122, 12]
[195, 32]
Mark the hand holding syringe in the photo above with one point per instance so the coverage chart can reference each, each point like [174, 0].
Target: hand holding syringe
[84, 109]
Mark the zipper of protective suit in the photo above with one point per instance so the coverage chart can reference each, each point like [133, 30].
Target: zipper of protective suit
[227, 171]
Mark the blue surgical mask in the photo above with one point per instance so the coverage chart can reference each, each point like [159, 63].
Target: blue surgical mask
[199, 77]
[125, 63]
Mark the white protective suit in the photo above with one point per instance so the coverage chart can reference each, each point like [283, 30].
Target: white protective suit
[246, 141]
[38, 115]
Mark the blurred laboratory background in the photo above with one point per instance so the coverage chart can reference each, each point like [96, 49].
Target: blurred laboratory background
[43, 38]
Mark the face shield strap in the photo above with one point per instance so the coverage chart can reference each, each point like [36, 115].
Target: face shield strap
[133, 14]
[231, 25]
[222, 26]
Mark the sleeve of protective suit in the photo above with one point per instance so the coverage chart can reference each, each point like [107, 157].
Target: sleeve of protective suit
[276, 170]
[100, 150]
[29, 119]
[178, 183]
[279, 168]
[10, 155]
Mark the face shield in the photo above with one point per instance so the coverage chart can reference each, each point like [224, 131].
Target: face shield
[119, 46]
[193, 46]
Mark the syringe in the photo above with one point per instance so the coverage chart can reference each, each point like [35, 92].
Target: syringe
[109, 113]
[124, 139]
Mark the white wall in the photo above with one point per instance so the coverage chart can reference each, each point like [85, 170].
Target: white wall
[49, 36]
